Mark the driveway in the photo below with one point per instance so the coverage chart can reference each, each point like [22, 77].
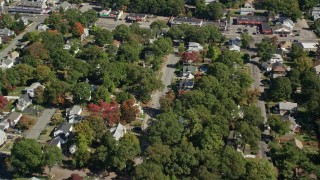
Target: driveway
[41, 123]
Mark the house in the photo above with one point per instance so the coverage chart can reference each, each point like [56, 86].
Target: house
[248, 5]
[285, 47]
[136, 17]
[4, 125]
[186, 84]
[63, 129]
[73, 113]
[281, 29]
[210, 1]
[246, 11]
[6, 63]
[185, 20]
[161, 32]
[24, 20]
[193, 46]
[32, 88]
[315, 13]
[287, 107]
[119, 131]
[265, 28]
[298, 143]
[316, 67]
[3, 137]
[105, 13]
[234, 47]
[288, 23]
[23, 102]
[13, 55]
[85, 33]
[309, 46]
[108, 13]
[254, 20]
[14, 118]
[6, 32]
[275, 58]
[30, 6]
[278, 70]
[42, 27]
[65, 5]
[235, 41]
[56, 142]
[187, 71]
[267, 67]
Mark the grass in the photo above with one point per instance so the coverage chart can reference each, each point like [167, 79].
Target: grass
[7, 147]
[17, 91]
[46, 136]
[136, 123]
[4, 46]
[247, 70]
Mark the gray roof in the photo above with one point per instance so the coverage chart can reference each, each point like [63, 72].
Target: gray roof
[189, 68]
[287, 105]
[7, 61]
[119, 131]
[65, 5]
[25, 97]
[75, 109]
[64, 127]
[13, 116]
[187, 20]
[252, 18]
[55, 141]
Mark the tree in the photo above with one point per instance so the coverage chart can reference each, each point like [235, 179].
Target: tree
[37, 51]
[77, 29]
[250, 135]
[280, 88]
[43, 73]
[26, 157]
[230, 58]
[246, 40]
[296, 52]
[24, 73]
[260, 169]
[213, 52]
[52, 156]
[102, 36]
[278, 125]
[90, 16]
[149, 170]
[252, 115]
[215, 11]
[129, 110]
[81, 92]
[121, 33]
[232, 164]
[3, 103]
[303, 63]
[101, 93]
[25, 122]
[129, 52]
[82, 155]
[158, 24]
[108, 111]
[266, 50]
[162, 46]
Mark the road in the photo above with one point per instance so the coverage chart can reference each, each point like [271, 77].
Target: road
[256, 75]
[41, 124]
[13, 44]
[167, 74]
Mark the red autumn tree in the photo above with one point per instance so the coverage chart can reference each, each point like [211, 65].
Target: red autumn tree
[190, 56]
[77, 30]
[3, 103]
[129, 111]
[76, 177]
[108, 111]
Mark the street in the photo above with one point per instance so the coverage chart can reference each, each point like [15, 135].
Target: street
[167, 74]
[256, 76]
[41, 123]
[14, 42]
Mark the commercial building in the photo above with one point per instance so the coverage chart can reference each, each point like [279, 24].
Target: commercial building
[30, 6]
[254, 20]
[185, 20]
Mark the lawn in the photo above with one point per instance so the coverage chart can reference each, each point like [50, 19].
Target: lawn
[7, 147]
[17, 91]
[46, 136]
[247, 70]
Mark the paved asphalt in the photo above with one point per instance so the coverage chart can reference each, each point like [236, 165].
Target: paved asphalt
[37, 19]
[256, 75]
[42, 122]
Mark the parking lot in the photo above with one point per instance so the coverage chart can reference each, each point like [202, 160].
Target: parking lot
[301, 28]
[111, 24]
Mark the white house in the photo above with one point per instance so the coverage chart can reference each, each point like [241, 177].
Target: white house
[288, 23]
[119, 131]
[4, 125]
[6, 32]
[63, 129]
[73, 113]
[193, 46]
[32, 88]
[234, 47]
[42, 27]
[275, 58]
[6, 63]
[247, 11]
[308, 46]
[315, 13]
[3, 137]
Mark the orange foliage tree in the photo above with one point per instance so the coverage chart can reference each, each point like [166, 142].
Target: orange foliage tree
[77, 29]
[129, 111]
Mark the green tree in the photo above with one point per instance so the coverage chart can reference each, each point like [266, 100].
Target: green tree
[246, 40]
[149, 170]
[52, 156]
[121, 33]
[102, 36]
[82, 155]
[101, 93]
[158, 24]
[214, 52]
[303, 63]
[265, 50]
[278, 125]
[90, 16]
[252, 115]
[296, 52]
[129, 52]
[280, 89]
[81, 92]
[215, 11]
[26, 157]
[260, 169]
[232, 163]
[250, 135]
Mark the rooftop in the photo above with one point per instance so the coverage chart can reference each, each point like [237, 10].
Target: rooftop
[252, 18]
[187, 20]
[64, 127]
[287, 105]
[119, 131]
